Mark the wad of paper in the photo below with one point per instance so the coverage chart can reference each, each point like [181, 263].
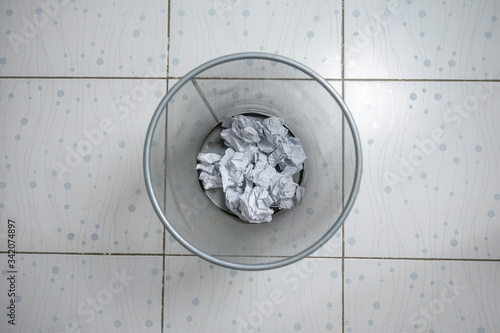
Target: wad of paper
[256, 169]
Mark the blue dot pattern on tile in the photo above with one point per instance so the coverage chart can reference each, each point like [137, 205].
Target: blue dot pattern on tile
[139, 49]
[70, 166]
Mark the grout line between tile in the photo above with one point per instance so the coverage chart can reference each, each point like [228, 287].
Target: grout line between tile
[98, 254]
[248, 256]
[163, 281]
[406, 259]
[164, 229]
[168, 39]
[421, 80]
[165, 176]
[84, 77]
[86, 253]
[235, 78]
[342, 74]
[423, 259]
[162, 294]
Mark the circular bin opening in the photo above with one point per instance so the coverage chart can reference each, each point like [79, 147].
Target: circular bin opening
[186, 122]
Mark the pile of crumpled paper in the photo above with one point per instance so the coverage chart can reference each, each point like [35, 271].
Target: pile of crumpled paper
[256, 170]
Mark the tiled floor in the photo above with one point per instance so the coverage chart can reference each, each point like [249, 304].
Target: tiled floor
[79, 82]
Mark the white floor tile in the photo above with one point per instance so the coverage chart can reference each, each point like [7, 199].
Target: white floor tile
[91, 38]
[71, 172]
[412, 39]
[332, 248]
[65, 293]
[430, 185]
[309, 32]
[304, 297]
[421, 296]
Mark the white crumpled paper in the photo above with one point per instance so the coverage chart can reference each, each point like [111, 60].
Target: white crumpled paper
[256, 170]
